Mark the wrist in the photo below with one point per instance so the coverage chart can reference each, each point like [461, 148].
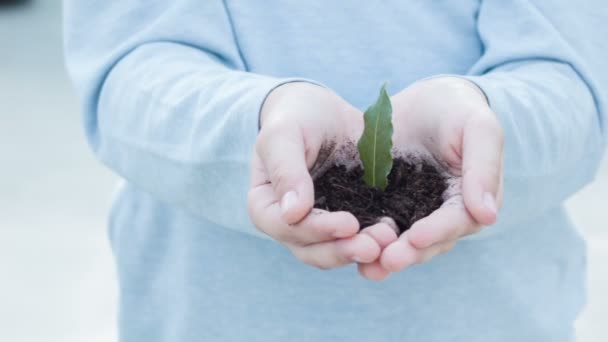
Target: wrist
[284, 93]
[457, 84]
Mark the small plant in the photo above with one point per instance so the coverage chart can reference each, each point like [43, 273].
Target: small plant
[376, 142]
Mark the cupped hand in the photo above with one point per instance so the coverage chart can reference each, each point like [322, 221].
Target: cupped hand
[449, 121]
[298, 120]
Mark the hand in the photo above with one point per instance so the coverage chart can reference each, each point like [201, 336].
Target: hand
[447, 119]
[297, 120]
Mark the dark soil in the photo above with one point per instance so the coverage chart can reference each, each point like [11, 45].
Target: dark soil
[414, 191]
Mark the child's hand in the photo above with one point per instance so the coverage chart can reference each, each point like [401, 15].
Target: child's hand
[449, 119]
[297, 119]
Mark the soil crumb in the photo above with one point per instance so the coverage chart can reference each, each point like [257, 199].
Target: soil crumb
[414, 191]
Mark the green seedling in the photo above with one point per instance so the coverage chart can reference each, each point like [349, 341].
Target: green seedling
[376, 142]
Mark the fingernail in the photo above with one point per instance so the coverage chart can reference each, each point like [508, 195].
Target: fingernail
[288, 201]
[489, 202]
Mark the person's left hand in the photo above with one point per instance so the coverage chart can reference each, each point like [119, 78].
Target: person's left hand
[449, 120]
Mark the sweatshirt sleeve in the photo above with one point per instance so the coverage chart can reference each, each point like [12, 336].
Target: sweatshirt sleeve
[541, 73]
[169, 105]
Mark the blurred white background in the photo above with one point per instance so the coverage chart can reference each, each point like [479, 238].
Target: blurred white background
[56, 270]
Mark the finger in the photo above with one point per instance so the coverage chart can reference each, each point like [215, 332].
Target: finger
[391, 222]
[398, 255]
[333, 254]
[373, 271]
[318, 226]
[402, 254]
[382, 233]
[482, 171]
[450, 222]
[435, 250]
[282, 153]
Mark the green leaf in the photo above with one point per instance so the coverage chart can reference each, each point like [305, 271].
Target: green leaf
[376, 142]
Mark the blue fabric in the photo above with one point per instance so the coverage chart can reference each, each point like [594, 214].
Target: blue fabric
[171, 93]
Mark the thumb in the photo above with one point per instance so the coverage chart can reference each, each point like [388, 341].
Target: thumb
[283, 154]
[482, 166]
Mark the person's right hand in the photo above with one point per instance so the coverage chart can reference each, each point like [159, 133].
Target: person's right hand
[297, 120]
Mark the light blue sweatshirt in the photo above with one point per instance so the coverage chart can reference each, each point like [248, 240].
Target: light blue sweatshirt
[171, 94]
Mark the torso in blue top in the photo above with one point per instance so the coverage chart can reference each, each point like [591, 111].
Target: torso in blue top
[171, 94]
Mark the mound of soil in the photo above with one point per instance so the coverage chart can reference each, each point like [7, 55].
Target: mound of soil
[414, 191]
